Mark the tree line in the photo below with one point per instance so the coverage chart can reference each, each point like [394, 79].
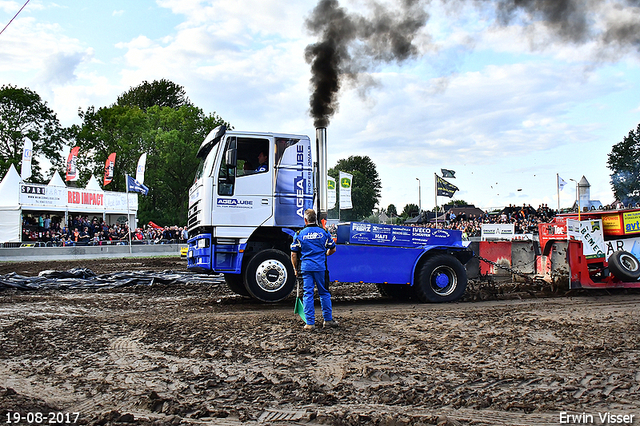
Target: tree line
[159, 119]
[156, 118]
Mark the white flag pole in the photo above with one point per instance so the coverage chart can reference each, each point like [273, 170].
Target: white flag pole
[126, 184]
[558, 188]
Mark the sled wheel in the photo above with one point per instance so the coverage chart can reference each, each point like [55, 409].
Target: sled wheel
[236, 284]
[624, 266]
[269, 276]
[442, 278]
[397, 291]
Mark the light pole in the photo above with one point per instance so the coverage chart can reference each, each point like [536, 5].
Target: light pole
[419, 199]
[577, 198]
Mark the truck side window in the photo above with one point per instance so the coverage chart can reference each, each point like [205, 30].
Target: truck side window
[227, 172]
[253, 156]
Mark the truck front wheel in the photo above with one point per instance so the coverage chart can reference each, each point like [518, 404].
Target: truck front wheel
[269, 276]
[442, 278]
[236, 284]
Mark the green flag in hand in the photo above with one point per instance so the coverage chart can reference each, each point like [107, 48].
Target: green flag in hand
[299, 309]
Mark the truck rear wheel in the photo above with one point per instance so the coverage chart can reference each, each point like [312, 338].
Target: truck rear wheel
[624, 266]
[442, 278]
[236, 284]
[269, 276]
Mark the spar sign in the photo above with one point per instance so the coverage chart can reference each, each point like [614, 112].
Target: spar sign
[75, 199]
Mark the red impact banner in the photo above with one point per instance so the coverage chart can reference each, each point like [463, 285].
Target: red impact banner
[72, 171]
[108, 169]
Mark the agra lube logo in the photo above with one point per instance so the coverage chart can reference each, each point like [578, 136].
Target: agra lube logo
[345, 182]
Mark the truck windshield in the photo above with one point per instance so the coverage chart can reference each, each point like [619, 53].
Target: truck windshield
[206, 164]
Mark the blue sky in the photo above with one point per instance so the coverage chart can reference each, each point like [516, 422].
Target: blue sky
[506, 107]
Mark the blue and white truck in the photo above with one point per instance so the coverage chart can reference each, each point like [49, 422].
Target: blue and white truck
[243, 213]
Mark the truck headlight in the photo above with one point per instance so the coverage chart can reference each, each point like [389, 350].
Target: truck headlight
[202, 243]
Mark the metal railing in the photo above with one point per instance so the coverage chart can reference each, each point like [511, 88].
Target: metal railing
[39, 244]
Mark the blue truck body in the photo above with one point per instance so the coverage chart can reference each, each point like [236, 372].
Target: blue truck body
[242, 219]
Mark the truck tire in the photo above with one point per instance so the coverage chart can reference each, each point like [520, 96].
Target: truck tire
[624, 266]
[442, 278]
[236, 284]
[269, 276]
[397, 291]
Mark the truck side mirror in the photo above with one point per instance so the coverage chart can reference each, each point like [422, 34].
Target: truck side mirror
[230, 158]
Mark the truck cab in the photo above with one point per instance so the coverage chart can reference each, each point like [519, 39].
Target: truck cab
[249, 193]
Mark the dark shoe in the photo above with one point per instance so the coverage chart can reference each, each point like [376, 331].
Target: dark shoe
[330, 323]
[309, 327]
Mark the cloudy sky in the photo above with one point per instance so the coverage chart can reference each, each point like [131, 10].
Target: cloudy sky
[506, 103]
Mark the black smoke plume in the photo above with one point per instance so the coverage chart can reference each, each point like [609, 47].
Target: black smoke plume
[349, 45]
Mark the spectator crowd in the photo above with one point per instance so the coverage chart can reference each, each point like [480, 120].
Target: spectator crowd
[51, 231]
[524, 218]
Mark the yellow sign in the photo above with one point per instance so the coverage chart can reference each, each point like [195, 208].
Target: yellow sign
[612, 224]
[345, 182]
[331, 184]
[631, 222]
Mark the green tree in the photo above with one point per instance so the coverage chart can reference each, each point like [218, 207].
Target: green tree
[170, 137]
[24, 115]
[172, 142]
[162, 93]
[392, 211]
[624, 162]
[118, 129]
[410, 210]
[456, 203]
[365, 189]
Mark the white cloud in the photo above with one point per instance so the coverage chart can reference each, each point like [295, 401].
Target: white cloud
[480, 101]
[117, 13]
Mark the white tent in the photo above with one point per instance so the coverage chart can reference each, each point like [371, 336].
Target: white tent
[10, 207]
[93, 184]
[56, 180]
[18, 197]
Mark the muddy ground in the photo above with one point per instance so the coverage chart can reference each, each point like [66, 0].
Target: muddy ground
[196, 354]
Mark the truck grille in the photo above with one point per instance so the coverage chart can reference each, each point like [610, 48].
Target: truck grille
[193, 215]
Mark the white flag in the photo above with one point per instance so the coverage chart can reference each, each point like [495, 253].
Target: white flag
[561, 183]
[142, 164]
[331, 192]
[345, 191]
[27, 155]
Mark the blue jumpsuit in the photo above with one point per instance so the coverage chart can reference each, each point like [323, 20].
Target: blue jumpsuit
[311, 244]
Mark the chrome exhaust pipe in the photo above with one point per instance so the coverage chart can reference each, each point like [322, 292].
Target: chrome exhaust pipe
[321, 155]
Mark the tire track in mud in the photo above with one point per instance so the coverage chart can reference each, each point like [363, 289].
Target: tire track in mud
[164, 355]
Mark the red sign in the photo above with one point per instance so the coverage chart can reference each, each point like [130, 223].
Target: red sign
[86, 198]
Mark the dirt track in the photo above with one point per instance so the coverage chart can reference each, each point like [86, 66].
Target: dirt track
[196, 354]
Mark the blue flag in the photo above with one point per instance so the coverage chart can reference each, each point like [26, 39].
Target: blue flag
[135, 186]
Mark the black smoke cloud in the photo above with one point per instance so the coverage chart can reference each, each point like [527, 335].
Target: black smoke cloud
[349, 45]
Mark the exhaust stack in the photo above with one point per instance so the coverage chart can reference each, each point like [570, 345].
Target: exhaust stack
[321, 179]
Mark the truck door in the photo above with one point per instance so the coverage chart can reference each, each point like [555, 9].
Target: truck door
[245, 188]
